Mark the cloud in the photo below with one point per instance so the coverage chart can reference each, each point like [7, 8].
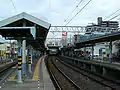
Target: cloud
[56, 11]
[95, 9]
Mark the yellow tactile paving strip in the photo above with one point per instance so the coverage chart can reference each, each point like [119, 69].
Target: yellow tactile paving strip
[36, 73]
[13, 76]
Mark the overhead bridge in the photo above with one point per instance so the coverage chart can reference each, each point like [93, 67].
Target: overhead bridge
[105, 38]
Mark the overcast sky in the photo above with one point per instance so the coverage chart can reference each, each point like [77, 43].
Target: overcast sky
[56, 11]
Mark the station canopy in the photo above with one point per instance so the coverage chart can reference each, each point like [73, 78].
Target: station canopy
[25, 27]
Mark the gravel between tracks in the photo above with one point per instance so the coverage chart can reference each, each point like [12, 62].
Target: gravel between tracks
[63, 82]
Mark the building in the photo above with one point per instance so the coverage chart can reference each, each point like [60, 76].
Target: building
[103, 26]
[111, 24]
[101, 50]
[8, 50]
[64, 40]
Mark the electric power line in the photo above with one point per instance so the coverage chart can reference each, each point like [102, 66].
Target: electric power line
[112, 14]
[73, 10]
[78, 12]
[114, 17]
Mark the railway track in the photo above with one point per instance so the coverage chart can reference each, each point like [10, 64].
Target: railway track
[7, 66]
[60, 79]
[101, 80]
[6, 71]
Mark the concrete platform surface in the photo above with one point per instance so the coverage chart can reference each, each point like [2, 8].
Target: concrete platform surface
[43, 82]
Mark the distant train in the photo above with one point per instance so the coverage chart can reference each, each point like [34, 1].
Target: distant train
[53, 50]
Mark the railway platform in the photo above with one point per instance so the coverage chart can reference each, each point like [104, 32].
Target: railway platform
[107, 70]
[39, 80]
[114, 65]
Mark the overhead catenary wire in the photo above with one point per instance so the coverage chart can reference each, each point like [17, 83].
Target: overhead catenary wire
[112, 14]
[49, 4]
[114, 17]
[13, 5]
[73, 10]
[78, 12]
[1, 17]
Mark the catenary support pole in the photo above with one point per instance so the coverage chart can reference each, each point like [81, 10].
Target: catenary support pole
[84, 52]
[92, 52]
[110, 56]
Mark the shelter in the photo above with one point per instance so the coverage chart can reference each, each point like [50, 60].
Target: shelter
[27, 27]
